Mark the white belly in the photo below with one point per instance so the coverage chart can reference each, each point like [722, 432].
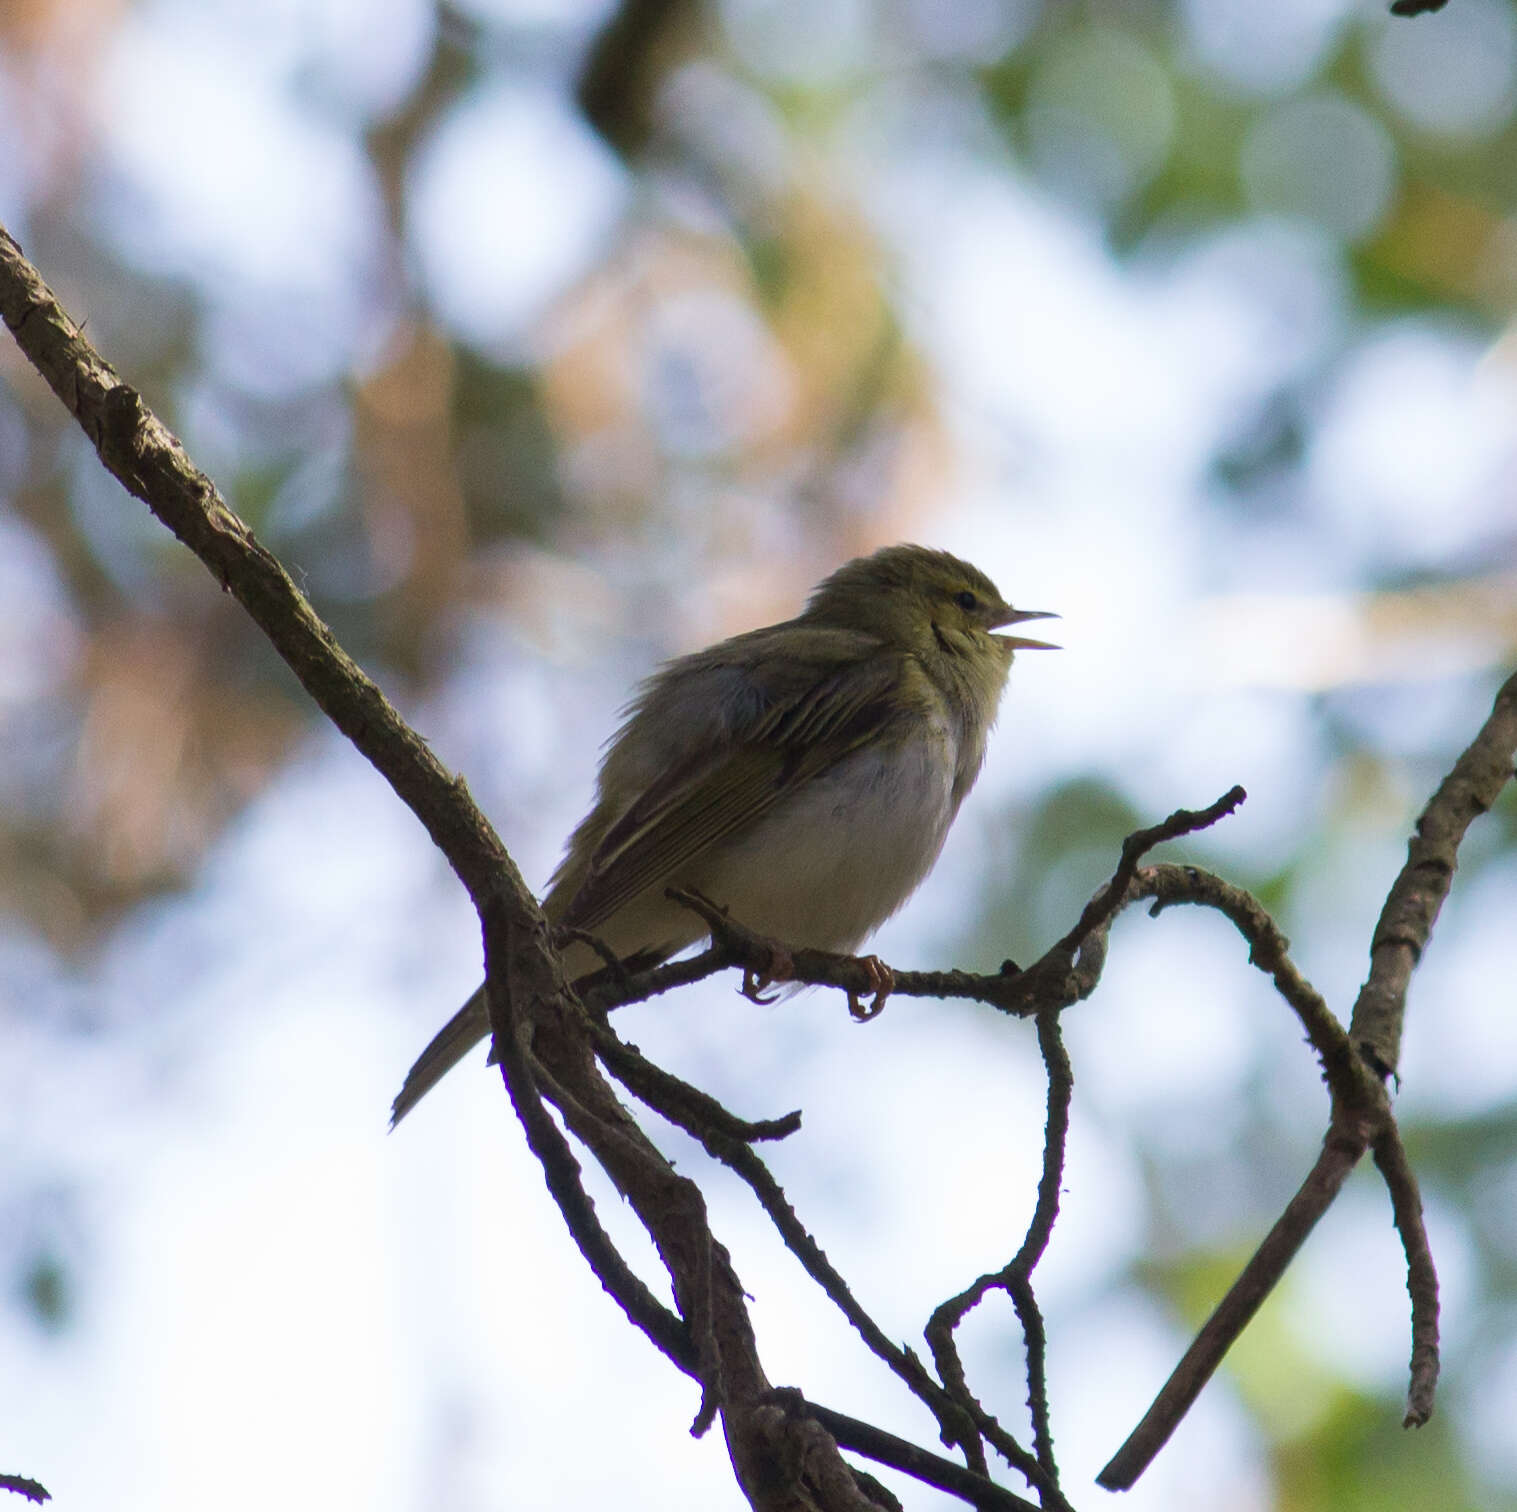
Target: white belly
[838, 857]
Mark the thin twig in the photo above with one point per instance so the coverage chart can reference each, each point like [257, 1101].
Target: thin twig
[1015, 1278]
[678, 1101]
[1269, 950]
[1421, 1276]
[1104, 906]
[24, 1485]
[1039, 1231]
[931, 1469]
[727, 1139]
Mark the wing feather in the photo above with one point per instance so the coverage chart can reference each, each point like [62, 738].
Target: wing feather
[795, 718]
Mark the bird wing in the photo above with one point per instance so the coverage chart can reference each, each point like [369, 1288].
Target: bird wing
[795, 719]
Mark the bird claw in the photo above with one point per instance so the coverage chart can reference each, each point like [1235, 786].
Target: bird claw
[881, 984]
[781, 968]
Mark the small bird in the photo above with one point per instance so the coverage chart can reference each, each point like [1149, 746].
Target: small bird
[802, 776]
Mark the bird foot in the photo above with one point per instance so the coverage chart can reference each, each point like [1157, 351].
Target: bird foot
[881, 984]
[780, 968]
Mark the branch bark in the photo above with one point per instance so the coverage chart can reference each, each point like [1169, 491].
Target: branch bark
[1412, 906]
[539, 1026]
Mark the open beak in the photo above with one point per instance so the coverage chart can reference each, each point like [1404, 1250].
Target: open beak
[1018, 617]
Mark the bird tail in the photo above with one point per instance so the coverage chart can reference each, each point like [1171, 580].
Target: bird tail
[471, 1024]
[449, 1045]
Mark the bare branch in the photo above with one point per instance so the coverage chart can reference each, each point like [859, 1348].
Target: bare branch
[1411, 909]
[1269, 951]
[24, 1485]
[1341, 1152]
[931, 1469]
[1421, 1277]
[1015, 1278]
[521, 965]
[1361, 1111]
[706, 1120]
[1104, 906]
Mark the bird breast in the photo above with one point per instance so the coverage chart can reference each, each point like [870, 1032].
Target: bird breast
[840, 855]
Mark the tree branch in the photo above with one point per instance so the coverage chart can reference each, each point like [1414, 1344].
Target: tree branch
[1341, 1151]
[139, 450]
[35, 1491]
[1412, 906]
[1361, 1116]
[1421, 1277]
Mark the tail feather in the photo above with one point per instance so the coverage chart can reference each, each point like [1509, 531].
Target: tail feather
[449, 1045]
[471, 1024]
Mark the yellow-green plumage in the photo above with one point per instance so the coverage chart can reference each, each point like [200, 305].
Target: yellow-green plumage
[804, 775]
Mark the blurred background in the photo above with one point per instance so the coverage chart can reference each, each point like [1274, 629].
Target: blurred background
[546, 339]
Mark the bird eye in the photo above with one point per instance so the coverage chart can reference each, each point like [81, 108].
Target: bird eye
[966, 601]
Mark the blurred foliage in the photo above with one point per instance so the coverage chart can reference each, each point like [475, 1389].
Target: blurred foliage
[1064, 849]
[730, 379]
[46, 1290]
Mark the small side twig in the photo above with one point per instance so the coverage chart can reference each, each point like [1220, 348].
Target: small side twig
[1421, 1277]
[682, 1104]
[931, 1469]
[1268, 949]
[561, 1170]
[1015, 1278]
[729, 1139]
[1104, 906]
[24, 1485]
[1068, 972]
[610, 991]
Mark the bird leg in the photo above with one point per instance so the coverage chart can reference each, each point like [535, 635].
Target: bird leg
[881, 984]
[780, 967]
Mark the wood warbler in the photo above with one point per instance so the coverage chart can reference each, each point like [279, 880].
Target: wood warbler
[803, 776]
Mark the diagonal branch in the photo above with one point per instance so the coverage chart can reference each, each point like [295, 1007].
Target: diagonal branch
[151, 464]
[547, 1045]
[707, 1121]
[1341, 1151]
[1361, 1117]
[1411, 908]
